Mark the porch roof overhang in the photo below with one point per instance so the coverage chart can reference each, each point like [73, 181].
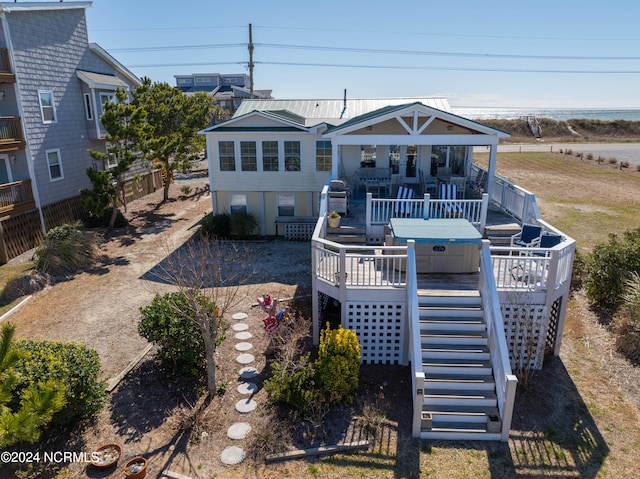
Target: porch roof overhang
[101, 81]
[413, 121]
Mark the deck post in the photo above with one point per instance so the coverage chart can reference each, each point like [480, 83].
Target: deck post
[342, 274]
[484, 208]
[367, 215]
[425, 211]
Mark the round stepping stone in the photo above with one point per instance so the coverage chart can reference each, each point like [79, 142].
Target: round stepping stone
[240, 327]
[246, 405]
[248, 372]
[243, 346]
[232, 455]
[238, 430]
[239, 316]
[245, 358]
[243, 335]
[247, 388]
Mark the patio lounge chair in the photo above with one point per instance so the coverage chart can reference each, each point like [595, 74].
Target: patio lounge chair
[403, 208]
[529, 236]
[450, 208]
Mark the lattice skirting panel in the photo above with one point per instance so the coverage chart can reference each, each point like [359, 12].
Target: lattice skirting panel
[61, 212]
[380, 330]
[552, 330]
[526, 332]
[298, 231]
[19, 234]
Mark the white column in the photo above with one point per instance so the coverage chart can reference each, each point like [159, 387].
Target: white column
[335, 158]
[492, 170]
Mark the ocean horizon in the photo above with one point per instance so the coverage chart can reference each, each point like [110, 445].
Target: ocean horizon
[560, 114]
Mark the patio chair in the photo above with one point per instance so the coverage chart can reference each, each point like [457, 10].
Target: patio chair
[479, 184]
[403, 208]
[548, 240]
[529, 236]
[450, 208]
[460, 183]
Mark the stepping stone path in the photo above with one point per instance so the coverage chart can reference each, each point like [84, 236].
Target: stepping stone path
[239, 430]
[244, 346]
[248, 372]
[248, 388]
[246, 358]
[232, 455]
[246, 405]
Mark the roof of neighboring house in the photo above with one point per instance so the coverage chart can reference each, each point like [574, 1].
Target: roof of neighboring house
[106, 56]
[101, 81]
[8, 7]
[334, 111]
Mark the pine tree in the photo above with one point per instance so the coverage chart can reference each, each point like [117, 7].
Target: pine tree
[38, 403]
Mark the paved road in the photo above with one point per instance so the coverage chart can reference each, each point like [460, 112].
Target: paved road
[622, 151]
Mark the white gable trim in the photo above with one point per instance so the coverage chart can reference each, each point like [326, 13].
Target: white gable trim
[260, 114]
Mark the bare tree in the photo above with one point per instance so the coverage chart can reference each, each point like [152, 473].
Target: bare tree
[211, 275]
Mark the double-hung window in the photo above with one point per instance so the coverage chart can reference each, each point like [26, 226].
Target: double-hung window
[248, 156]
[292, 156]
[286, 205]
[323, 155]
[270, 156]
[237, 203]
[55, 164]
[47, 107]
[227, 155]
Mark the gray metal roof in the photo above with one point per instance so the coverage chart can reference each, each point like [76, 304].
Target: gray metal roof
[334, 111]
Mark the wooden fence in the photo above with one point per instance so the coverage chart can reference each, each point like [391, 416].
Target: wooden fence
[21, 232]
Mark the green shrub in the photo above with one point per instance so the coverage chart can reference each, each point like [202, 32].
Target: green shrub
[610, 265]
[338, 363]
[102, 220]
[71, 365]
[66, 249]
[216, 226]
[294, 385]
[243, 224]
[166, 322]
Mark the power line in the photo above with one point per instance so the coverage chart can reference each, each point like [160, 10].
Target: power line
[161, 65]
[436, 53]
[179, 47]
[470, 69]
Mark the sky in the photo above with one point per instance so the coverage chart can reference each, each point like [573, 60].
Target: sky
[492, 53]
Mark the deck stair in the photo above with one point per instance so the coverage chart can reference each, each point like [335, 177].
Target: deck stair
[347, 234]
[459, 400]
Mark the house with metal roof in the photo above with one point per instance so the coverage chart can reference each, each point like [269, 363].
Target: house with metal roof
[430, 264]
[53, 85]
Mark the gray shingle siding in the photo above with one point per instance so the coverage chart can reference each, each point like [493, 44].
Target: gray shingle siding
[48, 48]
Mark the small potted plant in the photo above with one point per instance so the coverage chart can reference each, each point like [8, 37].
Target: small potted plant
[106, 456]
[135, 468]
[334, 219]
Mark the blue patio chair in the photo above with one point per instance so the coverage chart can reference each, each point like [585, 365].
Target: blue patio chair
[529, 236]
[450, 208]
[403, 208]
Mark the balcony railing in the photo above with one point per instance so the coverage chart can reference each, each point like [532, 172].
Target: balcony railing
[16, 197]
[11, 132]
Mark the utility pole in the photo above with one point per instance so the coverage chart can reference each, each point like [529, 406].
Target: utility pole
[251, 60]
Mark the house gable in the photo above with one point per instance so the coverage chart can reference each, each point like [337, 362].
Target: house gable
[260, 121]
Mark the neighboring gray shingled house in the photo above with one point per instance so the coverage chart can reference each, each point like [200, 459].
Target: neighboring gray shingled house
[53, 84]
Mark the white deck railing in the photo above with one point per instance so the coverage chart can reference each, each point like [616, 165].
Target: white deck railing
[415, 346]
[505, 381]
[511, 198]
[380, 210]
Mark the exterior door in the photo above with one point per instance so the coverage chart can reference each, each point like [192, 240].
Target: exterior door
[5, 170]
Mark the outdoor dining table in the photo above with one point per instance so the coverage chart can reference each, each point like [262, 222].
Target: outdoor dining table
[442, 245]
